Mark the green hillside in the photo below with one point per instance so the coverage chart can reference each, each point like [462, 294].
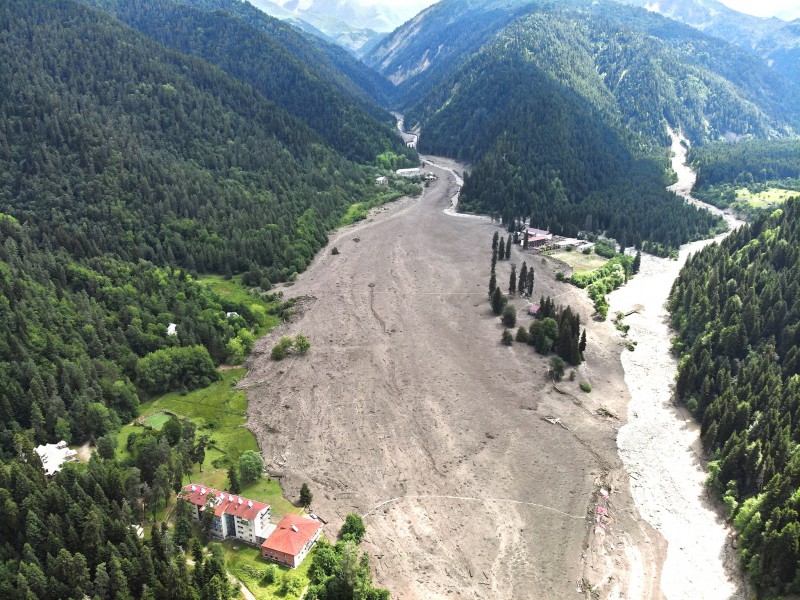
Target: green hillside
[278, 62]
[737, 308]
[113, 144]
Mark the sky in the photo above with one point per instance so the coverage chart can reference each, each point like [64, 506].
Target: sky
[787, 9]
[762, 8]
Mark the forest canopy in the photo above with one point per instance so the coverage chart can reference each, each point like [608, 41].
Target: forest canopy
[737, 308]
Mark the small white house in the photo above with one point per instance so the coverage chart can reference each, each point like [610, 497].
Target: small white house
[408, 172]
[382, 181]
[172, 329]
[55, 455]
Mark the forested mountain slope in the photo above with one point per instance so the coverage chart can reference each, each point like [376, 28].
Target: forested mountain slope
[330, 60]
[562, 108]
[774, 40]
[111, 143]
[737, 308]
[654, 68]
[437, 41]
[278, 62]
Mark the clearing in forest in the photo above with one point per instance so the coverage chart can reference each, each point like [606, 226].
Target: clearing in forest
[580, 262]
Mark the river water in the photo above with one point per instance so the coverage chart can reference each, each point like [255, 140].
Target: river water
[660, 444]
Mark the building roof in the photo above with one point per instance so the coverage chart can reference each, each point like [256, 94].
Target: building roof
[55, 455]
[539, 238]
[292, 534]
[533, 309]
[534, 231]
[229, 504]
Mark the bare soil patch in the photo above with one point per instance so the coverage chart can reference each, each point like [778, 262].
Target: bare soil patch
[476, 477]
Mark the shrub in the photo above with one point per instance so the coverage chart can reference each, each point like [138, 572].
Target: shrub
[507, 338]
[586, 386]
[509, 316]
[301, 344]
[572, 375]
[335, 251]
[286, 344]
[560, 276]
[268, 578]
[353, 528]
[522, 335]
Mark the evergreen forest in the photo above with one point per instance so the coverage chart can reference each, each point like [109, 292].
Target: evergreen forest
[736, 306]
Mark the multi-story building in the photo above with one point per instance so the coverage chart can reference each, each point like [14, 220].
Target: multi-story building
[234, 516]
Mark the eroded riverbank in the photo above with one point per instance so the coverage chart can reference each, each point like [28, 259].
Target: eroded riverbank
[660, 444]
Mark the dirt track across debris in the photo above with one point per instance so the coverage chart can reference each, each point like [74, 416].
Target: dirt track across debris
[476, 478]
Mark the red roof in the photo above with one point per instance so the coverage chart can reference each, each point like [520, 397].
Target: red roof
[226, 503]
[292, 534]
[538, 238]
[533, 309]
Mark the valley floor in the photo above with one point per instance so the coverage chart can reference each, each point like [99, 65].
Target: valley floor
[409, 411]
[660, 446]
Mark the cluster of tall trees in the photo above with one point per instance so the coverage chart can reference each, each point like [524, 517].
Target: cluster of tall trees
[340, 571]
[737, 308]
[74, 537]
[556, 329]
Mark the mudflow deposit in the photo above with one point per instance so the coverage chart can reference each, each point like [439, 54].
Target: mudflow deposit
[660, 445]
[476, 477]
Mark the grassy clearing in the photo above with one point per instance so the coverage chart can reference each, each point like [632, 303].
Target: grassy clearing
[768, 197]
[157, 420]
[233, 289]
[580, 262]
[245, 563]
[359, 210]
[220, 412]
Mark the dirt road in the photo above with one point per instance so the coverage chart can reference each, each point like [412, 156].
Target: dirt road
[409, 411]
[660, 445]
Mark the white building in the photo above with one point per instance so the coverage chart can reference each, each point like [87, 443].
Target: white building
[408, 172]
[55, 455]
[234, 516]
[382, 181]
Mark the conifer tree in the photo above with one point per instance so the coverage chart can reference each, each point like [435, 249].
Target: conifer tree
[582, 345]
[531, 275]
[498, 301]
[523, 278]
[512, 281]
[492, 283]
[501, 249]
[508, 248]
[637, 262]
[495, 239]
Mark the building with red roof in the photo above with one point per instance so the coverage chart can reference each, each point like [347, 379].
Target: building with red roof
[234, 516]
[292, 540]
